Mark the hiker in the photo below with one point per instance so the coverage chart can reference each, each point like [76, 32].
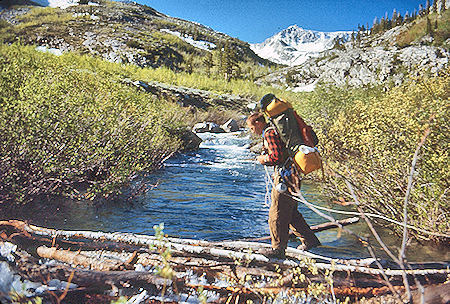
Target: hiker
[283, 213]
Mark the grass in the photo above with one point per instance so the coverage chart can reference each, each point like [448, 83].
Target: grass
[419, 30]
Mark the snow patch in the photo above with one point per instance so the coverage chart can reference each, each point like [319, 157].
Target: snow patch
[201, 44]
[53, 51]
[306, 88]
[62, 3]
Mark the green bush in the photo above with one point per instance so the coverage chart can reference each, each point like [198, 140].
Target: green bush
[68, 123]
[370, 137]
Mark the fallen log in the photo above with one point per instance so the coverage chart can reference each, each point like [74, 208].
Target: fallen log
[315, 228]
[80, 259]
[222, 250]
[234, 262]
[338, 291]
[30, 268]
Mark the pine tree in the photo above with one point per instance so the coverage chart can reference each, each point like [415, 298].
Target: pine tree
[435, 6]
[209, 63]
[407, 18]
[382, 24]
[399, 19]
[427, 7]
[218, 54]
[229, 66]
[189, 64]
[388, 23]
[429, 28]
[375, 26]
[394, 17]
[443, 8]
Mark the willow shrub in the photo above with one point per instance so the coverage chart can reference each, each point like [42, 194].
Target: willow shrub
[370, 137]
[68, 123]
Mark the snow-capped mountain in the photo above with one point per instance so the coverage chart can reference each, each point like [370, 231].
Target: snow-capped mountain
[295, 45]
[61, 3]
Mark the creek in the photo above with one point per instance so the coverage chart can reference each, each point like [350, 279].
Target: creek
[218, 192]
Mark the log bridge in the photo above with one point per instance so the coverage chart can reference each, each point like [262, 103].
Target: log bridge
[101, 266]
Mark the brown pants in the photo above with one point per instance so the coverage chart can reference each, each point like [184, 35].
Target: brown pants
[283, 214]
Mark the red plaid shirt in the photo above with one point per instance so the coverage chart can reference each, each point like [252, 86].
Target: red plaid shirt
[277, 154]
[274, 146]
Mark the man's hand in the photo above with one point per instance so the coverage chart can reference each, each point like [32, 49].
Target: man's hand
[262, 159]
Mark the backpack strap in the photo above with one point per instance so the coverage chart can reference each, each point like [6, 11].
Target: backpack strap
[270, 127]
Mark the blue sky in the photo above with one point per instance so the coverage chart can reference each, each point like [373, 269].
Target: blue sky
[255, 20]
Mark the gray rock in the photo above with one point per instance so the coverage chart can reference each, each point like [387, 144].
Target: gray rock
[191, 141]
[230, 126]
[200, 127]
[256, 147]
[203, 127]
[215, 128]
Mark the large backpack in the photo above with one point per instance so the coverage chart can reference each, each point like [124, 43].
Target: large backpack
[299, 138]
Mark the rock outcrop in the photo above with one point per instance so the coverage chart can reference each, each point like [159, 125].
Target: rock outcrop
[361, 67]
[192, 97]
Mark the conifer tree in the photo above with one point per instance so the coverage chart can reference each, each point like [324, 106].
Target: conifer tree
[219, 58]
[382, 24]
[387, 22]
[375, 27]
[443, 8]
[435, 6]
[209, 63]
[189, 64]
[407, 18]
[427, 7]
[229, 67]
[394, 17]
[399, 19]
[429, 28]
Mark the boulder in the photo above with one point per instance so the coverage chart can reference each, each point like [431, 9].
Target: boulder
[230, 126]
[190, 141]
[256, 147]
[212, 127]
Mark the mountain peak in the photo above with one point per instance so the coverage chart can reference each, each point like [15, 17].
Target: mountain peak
[294, 27]
[294, 45]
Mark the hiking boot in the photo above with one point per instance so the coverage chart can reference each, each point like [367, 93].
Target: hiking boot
[271, 253]
[307, 246]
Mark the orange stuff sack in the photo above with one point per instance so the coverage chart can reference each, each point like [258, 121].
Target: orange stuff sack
[307, 162]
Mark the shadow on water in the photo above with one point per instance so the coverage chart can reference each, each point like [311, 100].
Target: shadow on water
[215, 193]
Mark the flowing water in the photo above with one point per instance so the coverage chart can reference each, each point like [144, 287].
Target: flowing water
[218, 192]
